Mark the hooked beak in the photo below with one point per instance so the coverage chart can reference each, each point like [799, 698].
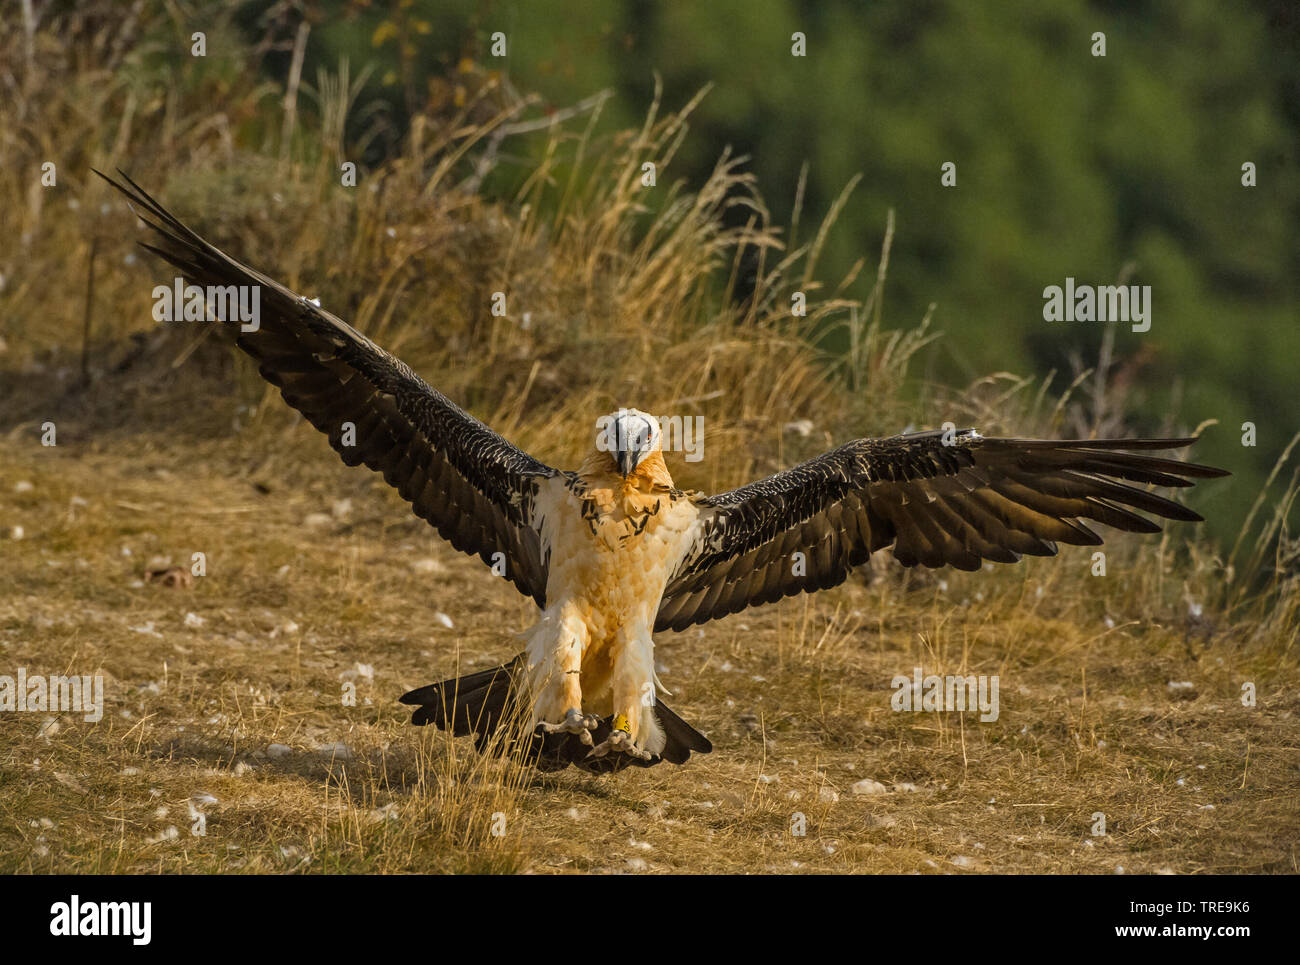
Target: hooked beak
[627, 460]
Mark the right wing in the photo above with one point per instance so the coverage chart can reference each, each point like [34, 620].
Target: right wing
[940, 503]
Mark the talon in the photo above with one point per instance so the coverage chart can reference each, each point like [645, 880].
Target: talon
[619, 741]
[575, 722]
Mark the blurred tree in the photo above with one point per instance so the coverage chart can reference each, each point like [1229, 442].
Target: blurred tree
[1066, 163]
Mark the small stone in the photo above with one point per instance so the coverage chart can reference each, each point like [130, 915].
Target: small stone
[868, 786]
[172, 577]
[70, 782]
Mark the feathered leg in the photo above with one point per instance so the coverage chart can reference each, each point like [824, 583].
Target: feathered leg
[555, 675]
[635, 729]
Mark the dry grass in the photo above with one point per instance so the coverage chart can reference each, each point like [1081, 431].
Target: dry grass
[318, 577]
[795, 698]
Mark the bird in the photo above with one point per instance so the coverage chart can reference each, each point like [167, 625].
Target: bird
[613, 552]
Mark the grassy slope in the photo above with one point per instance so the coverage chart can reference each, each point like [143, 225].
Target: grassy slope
[795, 698]
[172, 450]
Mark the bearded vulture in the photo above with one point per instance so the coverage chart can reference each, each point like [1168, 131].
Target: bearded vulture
[613, 552]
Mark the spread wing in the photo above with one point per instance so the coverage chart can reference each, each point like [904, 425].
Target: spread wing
[939, 504]
[472, 485]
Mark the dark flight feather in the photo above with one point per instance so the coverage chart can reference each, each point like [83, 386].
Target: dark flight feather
[956, 504]
[469, 483]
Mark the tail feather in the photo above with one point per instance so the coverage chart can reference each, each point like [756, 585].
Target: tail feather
[424, 695]
[682, 737]
[480, 702]
[473, 704]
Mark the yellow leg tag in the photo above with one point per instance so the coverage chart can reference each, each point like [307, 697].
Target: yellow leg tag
[621, 723]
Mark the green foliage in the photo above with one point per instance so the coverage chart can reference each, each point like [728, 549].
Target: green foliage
[1068, 164]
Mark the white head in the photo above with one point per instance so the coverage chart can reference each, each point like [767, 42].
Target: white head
[629, 436]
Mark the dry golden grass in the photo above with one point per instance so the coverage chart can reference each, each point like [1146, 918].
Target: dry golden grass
[795, 698]
[171, 445]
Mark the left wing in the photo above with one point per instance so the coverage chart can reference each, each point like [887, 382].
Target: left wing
[954, 504]
[473, 486]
